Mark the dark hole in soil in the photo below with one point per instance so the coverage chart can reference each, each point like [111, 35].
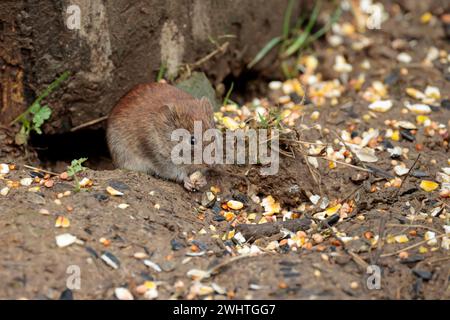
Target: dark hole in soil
[57, 151]
[246, 86]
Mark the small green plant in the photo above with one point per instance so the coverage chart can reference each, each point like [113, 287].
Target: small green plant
[162, 71]
[227, 96]
[294, 40]
[272, 120]
[74, 168]
[35, 116]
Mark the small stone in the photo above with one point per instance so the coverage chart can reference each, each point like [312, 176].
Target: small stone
[151, 294]
[101, 197]
[425, 275]
[404, 57]
[4, 191]
[118, 185]
[317, 237]
[4, 168]
[26, 182]
[400, 170]
[168, 266]
[123, 294]
[208, 199]
[64, 240]
[44, 212]
[275, 85]
[445, 103]
[430, 236]
[176, 245]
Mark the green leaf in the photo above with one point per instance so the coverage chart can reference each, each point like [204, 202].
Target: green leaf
[21, 137]
[161, 72]
[287, 18]
[301, 39]
[227, 97]
[76, 166]
[39, 118]
[198, 85]
[262, 119]
[334, 18]
[264, 51]
[34, 107]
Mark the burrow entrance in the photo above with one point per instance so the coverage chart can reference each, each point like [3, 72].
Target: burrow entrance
[56, 151]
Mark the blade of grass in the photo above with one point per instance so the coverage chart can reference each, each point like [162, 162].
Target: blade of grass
[300, 41]
[261, 54]
[299, 22]
[161, 72]
[227, 96]
[334, 18]
[287, 18]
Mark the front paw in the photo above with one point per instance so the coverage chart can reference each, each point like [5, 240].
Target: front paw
[195, 181]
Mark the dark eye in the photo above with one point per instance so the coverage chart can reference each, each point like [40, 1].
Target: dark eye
[192, 140]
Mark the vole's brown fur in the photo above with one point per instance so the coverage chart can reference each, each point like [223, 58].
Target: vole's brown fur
[140, 127]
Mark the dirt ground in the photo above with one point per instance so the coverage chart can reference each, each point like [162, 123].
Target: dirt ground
[166, 236]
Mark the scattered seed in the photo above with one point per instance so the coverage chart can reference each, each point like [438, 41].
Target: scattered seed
[64, 240]
[62, 222]
[152, 265]
[428, 186]
[113, 191]
[4, 168]
[110, 260]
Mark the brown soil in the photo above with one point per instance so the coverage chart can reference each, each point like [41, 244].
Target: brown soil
[162, 216]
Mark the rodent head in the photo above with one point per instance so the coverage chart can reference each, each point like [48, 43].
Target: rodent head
[190, 115]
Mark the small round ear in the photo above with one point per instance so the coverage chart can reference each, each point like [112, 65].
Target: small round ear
[168, 110]
[206, 104]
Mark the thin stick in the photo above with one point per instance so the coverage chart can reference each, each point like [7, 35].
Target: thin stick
[409, 248]
[89, 123]
[358, 260]
[407, 175]
[219, 266]
[346, 164]
[305, 142]
[220, 49]
[381, 235]
[438, 260]
[407, 226]
[41, 170]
